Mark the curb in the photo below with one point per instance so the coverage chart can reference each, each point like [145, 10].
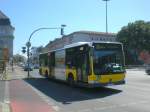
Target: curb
[6, 107]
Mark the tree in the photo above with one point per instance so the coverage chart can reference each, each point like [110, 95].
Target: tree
[135, 38]
[18, 58]
[35, 51]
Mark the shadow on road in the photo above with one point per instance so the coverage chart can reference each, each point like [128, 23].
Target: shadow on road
[65, 94]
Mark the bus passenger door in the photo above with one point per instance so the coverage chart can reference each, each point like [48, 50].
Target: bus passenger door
[82, 67]
[51, 64]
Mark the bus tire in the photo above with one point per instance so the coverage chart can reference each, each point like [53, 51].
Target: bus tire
[46, 73]
[71, 80]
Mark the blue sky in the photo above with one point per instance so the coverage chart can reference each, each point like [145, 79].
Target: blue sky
[28, 15]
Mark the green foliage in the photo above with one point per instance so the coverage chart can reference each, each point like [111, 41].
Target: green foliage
[18, 58]
[135, 37]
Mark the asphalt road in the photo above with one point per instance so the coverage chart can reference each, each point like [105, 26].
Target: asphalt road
[134, 96]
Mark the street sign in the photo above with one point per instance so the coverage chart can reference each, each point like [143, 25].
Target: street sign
[28, 44]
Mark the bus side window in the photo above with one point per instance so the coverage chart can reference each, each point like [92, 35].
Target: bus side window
[40, 63]
[45, 63]
[68, 62]
[53, 59]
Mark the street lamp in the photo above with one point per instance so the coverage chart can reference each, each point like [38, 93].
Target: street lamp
[106, 16]
[28, 44]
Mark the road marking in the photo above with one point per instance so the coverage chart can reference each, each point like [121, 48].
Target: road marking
[85, 110]
[137, 88]
[121, 105]
[137, 94]
[100, 108]
[45, 98]
[135, 103]
[138, 84]
[56, 108]
[100, 100]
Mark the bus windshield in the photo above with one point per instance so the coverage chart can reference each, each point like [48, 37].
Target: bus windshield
[108, 58]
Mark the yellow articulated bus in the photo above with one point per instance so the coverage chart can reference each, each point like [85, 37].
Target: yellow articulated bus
[89, 64]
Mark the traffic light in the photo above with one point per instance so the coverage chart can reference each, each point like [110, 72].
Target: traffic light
[23, 49]
[62, 31]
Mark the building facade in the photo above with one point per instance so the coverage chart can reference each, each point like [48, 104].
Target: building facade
[34, 56]
[79, 36]
[6, 34]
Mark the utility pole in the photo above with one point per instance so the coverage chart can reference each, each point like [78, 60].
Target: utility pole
[28, 44]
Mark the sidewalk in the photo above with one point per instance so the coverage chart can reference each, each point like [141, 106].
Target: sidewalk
[22, 97]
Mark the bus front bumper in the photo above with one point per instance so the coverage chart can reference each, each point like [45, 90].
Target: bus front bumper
[92, 85]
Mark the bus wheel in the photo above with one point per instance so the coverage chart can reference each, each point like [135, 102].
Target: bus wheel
[46, 74]
[71, 80]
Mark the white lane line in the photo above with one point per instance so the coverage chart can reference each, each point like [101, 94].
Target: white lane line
[137, 88]
[139, 84]
[56, 108]
[85, 110]
[137, 94]
[45, 98]
[100, 100]
[136, 103]
[121, 105]
[100, 108]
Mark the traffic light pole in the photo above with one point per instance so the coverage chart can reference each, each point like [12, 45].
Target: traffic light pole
[28, 44]
[28, 61]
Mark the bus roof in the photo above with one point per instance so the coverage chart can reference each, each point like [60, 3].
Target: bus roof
[89, 43]
[82, 43]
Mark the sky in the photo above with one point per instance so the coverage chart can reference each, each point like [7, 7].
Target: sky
[28, 15]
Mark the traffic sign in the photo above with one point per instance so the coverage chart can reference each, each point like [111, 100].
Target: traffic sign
[28, 44]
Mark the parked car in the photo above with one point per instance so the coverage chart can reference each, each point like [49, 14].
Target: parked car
[26, 68]
[147, 69]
